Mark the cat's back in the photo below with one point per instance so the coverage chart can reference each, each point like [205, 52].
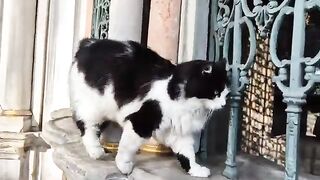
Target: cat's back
[126, 65]
[112, 56]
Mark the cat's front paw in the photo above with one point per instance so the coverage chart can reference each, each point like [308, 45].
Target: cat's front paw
[97, 153]
[125, 167]
[199, 171]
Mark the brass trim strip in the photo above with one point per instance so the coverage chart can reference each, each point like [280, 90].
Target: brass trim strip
[15, 113]
[113, 147]
[158, 149]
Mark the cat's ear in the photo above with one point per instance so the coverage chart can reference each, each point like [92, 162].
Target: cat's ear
[207, 69]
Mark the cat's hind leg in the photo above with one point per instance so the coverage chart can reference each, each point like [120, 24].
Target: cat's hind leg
[91, 140]
[91, 133]
[184, 149]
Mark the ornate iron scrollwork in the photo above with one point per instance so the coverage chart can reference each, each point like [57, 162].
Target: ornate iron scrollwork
[233, 22]
[100, 19]
[223, 18]
[263, 14]
[295, 92]
[291, 75]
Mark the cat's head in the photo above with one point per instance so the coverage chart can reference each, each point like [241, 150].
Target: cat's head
[204, 80]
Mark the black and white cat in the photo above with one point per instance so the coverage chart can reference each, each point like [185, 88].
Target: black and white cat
[146, 95]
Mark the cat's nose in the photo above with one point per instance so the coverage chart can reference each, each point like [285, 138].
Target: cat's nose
[223, 103]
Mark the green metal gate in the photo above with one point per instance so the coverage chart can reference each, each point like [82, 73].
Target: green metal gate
[296, 75]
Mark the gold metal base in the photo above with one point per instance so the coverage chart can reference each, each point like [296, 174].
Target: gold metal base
[157, 149]
[112, 147]
[149, 148]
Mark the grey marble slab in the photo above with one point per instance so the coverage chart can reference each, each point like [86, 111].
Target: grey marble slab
[70, 156]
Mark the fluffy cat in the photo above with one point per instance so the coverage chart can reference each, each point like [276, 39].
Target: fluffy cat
[146, 95]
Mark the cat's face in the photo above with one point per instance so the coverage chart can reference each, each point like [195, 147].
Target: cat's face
[205, 80]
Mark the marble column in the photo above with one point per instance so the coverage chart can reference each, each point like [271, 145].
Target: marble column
[58, 60]
[68, 22]
[125, 20]
[39, 62]
[17, 29]
[164, 25]
[193, 35]
[82, 21]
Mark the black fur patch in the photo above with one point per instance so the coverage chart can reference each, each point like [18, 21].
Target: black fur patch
[86, 42]
[174, 90]
[197, 83]
[147, 119]
[184, 162]
[129, 66]
[132, 68]
[80, 125]
[102, 127]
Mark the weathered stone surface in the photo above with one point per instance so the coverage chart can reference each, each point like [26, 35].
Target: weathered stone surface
[306, 164]
[61, 131]
[70, 156]
[316, 168]
[15, 145]
[310, 148]
[61, 113]
[15, 124]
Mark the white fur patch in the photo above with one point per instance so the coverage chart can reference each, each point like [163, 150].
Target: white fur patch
[92, 143]
[218, 102]
[199, 171]
[129, 145]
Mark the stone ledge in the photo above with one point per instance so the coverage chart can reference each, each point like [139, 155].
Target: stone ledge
[77, 165]
[310, 155]
[70, 156]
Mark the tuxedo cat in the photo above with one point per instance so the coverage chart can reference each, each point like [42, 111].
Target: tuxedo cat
[146, 95]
